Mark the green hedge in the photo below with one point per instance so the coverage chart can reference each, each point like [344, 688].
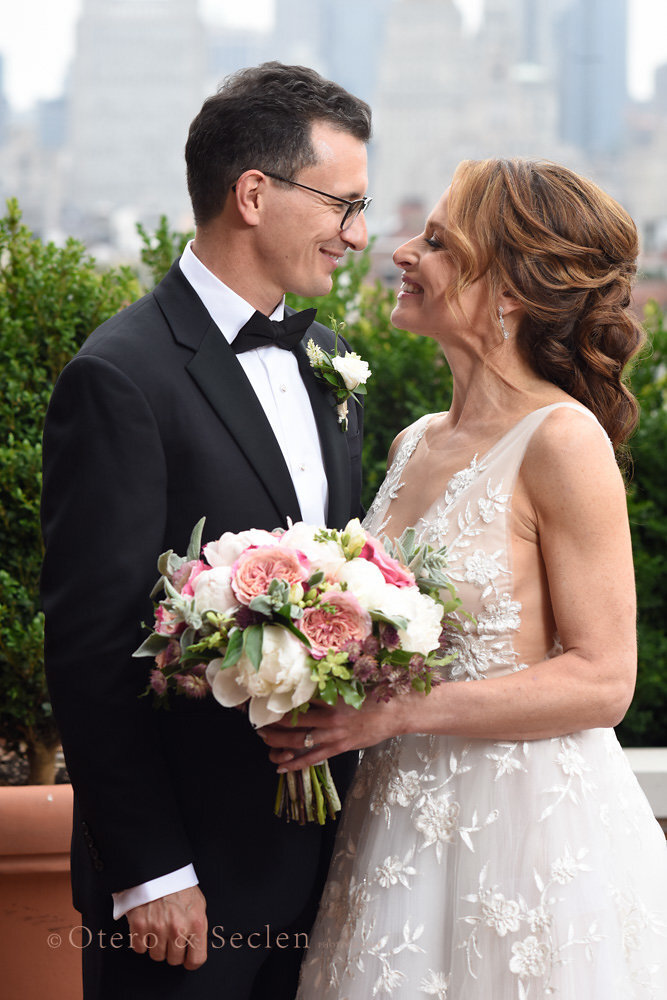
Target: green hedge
[52, 297]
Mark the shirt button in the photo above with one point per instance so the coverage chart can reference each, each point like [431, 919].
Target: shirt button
[283, 387]
[302, 467]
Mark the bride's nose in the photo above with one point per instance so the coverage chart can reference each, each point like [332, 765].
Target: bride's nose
[405, 254]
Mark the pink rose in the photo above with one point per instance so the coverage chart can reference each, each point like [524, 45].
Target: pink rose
[392, 570]
[255, 568]
[166, 622]
[184, 578]
[333, 629]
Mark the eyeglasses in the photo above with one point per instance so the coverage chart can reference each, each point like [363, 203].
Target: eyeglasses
[353, 210]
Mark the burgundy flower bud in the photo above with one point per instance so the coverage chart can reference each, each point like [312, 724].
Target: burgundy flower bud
[245, 617]
[158, 681]
[389, 635]
[192, 687]
[366, 669]
[417, 663]
[353, 650]
[371, 645]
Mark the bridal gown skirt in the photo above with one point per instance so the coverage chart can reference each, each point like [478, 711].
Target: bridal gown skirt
[470, 870]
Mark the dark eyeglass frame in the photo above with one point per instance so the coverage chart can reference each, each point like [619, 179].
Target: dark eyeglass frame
[354, 208]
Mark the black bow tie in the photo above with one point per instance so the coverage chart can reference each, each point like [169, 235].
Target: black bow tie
[260, 331]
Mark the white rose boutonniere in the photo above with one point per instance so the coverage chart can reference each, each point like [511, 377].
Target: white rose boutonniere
[345, 374]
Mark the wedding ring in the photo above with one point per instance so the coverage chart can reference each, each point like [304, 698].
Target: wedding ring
[308, 741]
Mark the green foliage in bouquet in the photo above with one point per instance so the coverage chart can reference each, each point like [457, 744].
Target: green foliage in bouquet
[50, 299]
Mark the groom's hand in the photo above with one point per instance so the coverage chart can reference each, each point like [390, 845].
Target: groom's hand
[172, 927]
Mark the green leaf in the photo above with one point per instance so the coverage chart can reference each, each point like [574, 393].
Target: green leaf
[252, 644]
[329, 693]
[194, 546]
[151, 646]
[234, 649]
[354, 696]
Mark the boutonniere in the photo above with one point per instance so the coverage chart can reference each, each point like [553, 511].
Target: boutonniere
[346, 375]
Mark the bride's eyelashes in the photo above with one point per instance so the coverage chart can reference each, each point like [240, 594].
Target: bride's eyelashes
[434, 242]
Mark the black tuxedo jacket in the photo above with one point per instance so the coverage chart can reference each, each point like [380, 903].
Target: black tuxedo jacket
[152, 426]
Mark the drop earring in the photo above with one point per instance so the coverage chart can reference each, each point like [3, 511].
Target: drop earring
[506, 333]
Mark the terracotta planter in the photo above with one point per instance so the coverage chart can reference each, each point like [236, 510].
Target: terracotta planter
[38, 945]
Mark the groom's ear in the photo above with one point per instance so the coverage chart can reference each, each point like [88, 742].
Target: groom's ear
[249, 191]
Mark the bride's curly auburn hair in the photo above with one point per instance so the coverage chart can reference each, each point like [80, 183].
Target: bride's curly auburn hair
[568, 253]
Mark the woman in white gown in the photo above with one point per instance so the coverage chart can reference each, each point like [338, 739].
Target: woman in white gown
[495, 844]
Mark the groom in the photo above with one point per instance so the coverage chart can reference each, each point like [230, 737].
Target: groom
[187, 404]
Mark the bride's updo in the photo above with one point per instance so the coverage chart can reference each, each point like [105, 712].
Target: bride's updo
[568, 253]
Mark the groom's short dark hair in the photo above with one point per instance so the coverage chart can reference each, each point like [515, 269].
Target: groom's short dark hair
[261, 117]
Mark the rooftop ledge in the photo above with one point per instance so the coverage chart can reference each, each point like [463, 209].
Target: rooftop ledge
[650, 767]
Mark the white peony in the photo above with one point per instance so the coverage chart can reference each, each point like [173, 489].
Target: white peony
[226, 550]
[282, 682]
[423, 614]
[213, 592]
[365, 580]
[353, 369]
[327, 556]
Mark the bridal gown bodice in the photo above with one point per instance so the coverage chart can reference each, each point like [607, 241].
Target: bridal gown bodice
[478, 870]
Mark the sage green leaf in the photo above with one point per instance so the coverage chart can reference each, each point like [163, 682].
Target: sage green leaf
[194, 546]
[252, 644]
[234, 649]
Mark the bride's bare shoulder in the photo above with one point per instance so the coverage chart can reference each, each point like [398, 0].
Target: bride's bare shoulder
[402, 435]
[570, 456]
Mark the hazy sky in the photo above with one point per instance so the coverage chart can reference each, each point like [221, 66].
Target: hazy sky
[37, 40]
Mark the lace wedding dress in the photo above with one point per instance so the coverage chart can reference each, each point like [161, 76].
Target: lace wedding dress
[476, 870]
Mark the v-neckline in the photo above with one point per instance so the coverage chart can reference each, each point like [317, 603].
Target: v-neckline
[479, 462]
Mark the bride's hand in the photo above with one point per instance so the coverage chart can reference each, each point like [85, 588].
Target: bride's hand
[333, 731]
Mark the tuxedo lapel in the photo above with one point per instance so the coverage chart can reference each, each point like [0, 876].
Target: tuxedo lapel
[332, 439]
[216, 371]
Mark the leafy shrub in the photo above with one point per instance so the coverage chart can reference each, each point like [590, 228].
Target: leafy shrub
[50, 299]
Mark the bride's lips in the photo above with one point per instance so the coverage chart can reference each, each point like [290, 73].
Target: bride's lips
[409, 287]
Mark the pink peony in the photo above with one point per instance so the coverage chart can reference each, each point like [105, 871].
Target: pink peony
[255, 568]
[392, 570]
[184, 578]
[166, 622]
[326, 630]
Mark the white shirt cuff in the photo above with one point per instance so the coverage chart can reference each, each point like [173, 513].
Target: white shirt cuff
[126, 900]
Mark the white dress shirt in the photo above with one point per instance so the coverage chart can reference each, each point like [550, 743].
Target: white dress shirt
[275, 378]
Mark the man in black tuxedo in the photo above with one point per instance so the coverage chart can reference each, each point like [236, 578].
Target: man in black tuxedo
[168, 414]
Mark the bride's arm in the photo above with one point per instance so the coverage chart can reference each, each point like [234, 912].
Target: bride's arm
[578, 499]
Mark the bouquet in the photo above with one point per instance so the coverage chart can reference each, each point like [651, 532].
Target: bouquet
[278, 619]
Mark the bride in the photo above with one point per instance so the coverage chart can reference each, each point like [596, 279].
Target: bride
[495, 844]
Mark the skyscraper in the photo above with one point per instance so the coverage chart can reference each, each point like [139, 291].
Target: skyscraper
[137, 82]
[592, 74]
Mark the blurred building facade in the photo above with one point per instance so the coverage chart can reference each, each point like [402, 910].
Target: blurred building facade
[136, 84]
[540, 78]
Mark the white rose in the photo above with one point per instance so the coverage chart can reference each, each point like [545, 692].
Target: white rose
[353, 369]
[226, 550]
[213, 592]
[365, 580]
[282, 682]
[424, 617]
[327, 556]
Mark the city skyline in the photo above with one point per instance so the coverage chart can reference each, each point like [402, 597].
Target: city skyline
[36, 64]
